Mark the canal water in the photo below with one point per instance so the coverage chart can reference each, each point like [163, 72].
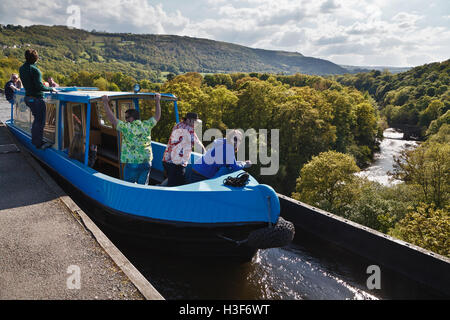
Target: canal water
[306, 269]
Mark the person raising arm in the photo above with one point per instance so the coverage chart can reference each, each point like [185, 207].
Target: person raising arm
[136, 151]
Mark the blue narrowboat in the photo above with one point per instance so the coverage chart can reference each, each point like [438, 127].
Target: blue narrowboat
[203, 218]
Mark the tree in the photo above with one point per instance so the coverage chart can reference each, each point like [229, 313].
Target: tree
[435, 125]
[113, 87]
[326, 182]
[304, 121]
[213, 80]
[365, 130]
[432, 112]
[170, 76]
[427, 227]
[101, 84]
[194, 79]
[428, 169]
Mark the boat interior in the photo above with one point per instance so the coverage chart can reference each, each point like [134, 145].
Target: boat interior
[102, 134]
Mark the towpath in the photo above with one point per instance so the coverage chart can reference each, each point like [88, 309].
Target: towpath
[49, 248]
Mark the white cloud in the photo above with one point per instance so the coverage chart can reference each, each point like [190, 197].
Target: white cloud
[329, 6]
[289, 39]
[347, 32]
[406, 20]
[130, 16]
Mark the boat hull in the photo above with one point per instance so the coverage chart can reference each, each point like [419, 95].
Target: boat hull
[185, 239]
[215, 239]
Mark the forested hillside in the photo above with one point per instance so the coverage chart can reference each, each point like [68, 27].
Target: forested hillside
[417, 98]
[67, 50]
[416, 210]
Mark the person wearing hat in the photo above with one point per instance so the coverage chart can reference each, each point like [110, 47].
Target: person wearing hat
[219, 159]
[179, 149]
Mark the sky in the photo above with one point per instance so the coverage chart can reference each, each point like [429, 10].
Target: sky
[350, 32]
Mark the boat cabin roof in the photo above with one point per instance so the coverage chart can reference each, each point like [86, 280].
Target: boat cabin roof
[86, 94]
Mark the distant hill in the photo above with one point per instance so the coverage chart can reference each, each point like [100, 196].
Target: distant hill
[146, 56]
[358, 69]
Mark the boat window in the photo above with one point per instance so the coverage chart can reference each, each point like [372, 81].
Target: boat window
[146, 108]
[124, 106]
[74, 123]
[50, 122]
[22, 114]
[77, 119]
[102, 118]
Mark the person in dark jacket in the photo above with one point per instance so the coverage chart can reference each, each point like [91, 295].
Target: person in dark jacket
[34, 97]
[11, 87]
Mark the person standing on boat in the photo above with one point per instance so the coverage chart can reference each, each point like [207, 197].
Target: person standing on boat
[220, 159]
[179, 149]
[136, 152]
[34, 97]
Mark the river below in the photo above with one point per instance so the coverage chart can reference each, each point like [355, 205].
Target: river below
[391, 147]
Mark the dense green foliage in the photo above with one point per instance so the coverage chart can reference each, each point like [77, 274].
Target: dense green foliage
[150, 57]
[416, 210]
[415, 98]
[324, 181]
[310, 118]
[426, 227]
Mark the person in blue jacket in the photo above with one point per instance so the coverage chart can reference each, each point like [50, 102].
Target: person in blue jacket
[220, 159]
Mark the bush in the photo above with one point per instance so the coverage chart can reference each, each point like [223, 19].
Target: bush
[427, 227]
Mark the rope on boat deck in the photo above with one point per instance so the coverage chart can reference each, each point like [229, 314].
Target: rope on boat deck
[240, 180]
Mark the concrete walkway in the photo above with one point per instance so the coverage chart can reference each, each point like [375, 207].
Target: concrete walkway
[49, 248]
